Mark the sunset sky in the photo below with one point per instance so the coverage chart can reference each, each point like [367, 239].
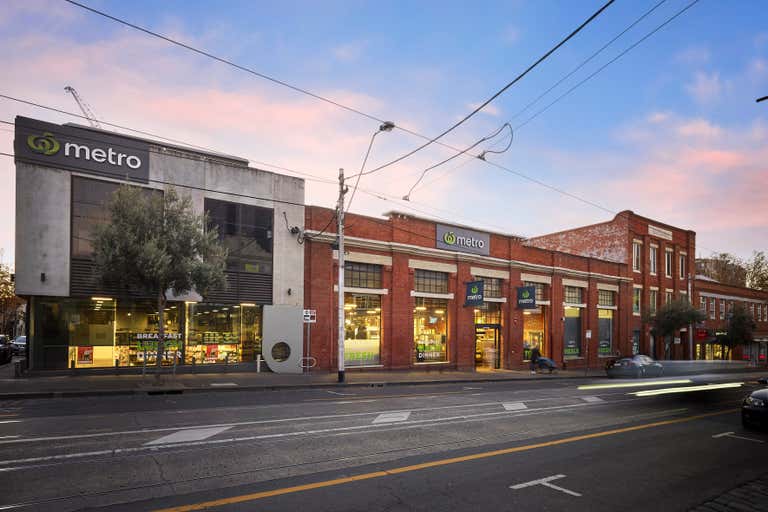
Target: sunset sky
[670, 130]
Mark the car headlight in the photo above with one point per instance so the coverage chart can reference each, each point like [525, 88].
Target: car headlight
[754, 402]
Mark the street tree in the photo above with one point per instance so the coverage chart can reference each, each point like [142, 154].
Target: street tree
[155, 243]
[741, 325]
[724, 268]
[672, 317]
[8, 300]
[757, 271]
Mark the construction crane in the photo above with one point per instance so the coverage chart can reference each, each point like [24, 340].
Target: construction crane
[84, 107]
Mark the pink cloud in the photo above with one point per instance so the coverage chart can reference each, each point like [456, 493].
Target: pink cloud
[705, 88]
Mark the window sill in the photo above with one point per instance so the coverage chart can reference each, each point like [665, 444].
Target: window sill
[636, 314]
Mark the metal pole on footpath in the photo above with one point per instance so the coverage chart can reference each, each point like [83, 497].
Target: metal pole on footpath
[340, 240]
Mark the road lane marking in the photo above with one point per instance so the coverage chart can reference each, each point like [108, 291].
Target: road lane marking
[391, 417]
[469, 387]
[344, 402]
[592, 399]
[733, 435]
[438, 463]
[546, 482]
[191, 434]
[9, 421]
[425, 422]
[223, 384]
[340, 394]
[514, 406]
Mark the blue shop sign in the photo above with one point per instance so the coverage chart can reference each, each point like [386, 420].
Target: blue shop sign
[475, 293]
[526, 297]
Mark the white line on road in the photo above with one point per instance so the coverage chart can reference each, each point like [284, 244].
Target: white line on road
[546, 482]
[514, 406]
[10, 421]
[223, 384]
[732, 434]
[340, 394]
[465, 388]
[592, 399]
[391, 417]
[343, 402]
[183, 436]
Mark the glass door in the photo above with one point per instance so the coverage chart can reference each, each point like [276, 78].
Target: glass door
[487, 346]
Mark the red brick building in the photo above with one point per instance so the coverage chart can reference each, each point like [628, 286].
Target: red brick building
[716, 301]
[405, 283]
[660, 258]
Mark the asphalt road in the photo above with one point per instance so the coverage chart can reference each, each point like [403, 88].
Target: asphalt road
[539, 445]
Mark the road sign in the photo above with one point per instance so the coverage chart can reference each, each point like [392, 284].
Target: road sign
[589, 334]
[310, 316]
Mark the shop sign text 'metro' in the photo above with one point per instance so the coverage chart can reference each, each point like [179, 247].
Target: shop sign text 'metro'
[463, 240]
[81, 149]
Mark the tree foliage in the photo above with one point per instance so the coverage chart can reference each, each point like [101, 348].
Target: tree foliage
[9, 303]
[155, 243]
[724, 268]
[757, 271]
[673, 316]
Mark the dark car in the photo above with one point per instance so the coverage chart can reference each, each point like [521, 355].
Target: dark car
[754, 409]
[636, 366]
[6, 351]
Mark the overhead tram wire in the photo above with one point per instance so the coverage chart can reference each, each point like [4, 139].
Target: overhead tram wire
[588, 59]
[601, 68]
[496, 94]
[304, 91]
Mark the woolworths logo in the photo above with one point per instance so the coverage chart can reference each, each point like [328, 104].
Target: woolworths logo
[526, 294]
[45, 144]
[449, 238]
[474, 289]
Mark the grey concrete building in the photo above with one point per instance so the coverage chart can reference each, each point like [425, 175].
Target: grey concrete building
[64, 176]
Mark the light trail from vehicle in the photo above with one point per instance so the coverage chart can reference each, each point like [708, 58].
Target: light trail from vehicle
[635, 384]
[687, 389]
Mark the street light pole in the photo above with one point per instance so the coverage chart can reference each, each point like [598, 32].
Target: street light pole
[340, 245]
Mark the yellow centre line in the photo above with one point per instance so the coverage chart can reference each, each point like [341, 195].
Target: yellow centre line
[417, 467]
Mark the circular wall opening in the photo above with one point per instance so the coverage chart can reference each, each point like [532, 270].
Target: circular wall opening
[281, 352]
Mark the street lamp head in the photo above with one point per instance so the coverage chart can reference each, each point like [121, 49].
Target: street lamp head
[387, 126]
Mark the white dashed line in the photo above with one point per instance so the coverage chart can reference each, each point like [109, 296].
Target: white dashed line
[391, 417]
[184, 436]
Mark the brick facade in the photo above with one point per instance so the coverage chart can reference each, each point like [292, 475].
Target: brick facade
[402, 242]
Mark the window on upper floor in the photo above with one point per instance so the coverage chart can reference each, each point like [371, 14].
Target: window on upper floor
[653, 257]
[573, 295]
[668, 262]
[429, 281]
[541, 290]
[637, 255]
[681, 266]
[712, 309]
[362, 275]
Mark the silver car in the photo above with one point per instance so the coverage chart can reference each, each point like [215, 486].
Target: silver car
[637, 366]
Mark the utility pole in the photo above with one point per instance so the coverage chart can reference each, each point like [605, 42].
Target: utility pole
[340, 244]
[690, 326]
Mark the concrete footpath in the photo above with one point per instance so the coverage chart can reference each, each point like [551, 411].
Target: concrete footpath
[126, 384]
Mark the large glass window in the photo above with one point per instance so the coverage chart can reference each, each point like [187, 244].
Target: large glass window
[137, 333]
[430, 330]
[605, 332]
[572, 332]
[362, 275]
[246, 232]
[534, 331]
[223, 333]
[362, 329]
[428, 281]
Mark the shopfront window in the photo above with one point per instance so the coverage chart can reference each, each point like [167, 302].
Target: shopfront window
[635, 342]
[430, 330]
[605, 332]
[137, 333]
[362, 329]
[91, 326]
[534, 333]
[223, 333]
[572, 332]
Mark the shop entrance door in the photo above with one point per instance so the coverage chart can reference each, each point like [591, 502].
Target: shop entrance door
[487, 346]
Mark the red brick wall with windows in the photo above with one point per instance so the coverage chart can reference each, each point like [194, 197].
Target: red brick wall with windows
[403, 238]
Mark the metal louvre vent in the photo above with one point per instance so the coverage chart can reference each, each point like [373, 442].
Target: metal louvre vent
[243, 287]
[85, 282]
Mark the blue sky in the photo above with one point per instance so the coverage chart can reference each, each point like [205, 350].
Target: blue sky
[671, 130]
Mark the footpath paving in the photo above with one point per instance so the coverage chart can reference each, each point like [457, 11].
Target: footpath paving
[232, 380]
[750, 497]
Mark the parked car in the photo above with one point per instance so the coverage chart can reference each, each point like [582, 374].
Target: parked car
[754, 409]
[637, 366]
[6, 352]
[19, 345]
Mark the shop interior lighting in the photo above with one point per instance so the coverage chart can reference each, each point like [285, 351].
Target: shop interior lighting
[247, 304]
[687, 389]
[421, 308]
[371, 311]
[439, 312]
[102, 299]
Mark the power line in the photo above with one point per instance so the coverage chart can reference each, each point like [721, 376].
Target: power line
[588, 59]
[601, 68]
[497, 93]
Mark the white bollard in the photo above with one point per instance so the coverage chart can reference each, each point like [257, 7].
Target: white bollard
[258, 363]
